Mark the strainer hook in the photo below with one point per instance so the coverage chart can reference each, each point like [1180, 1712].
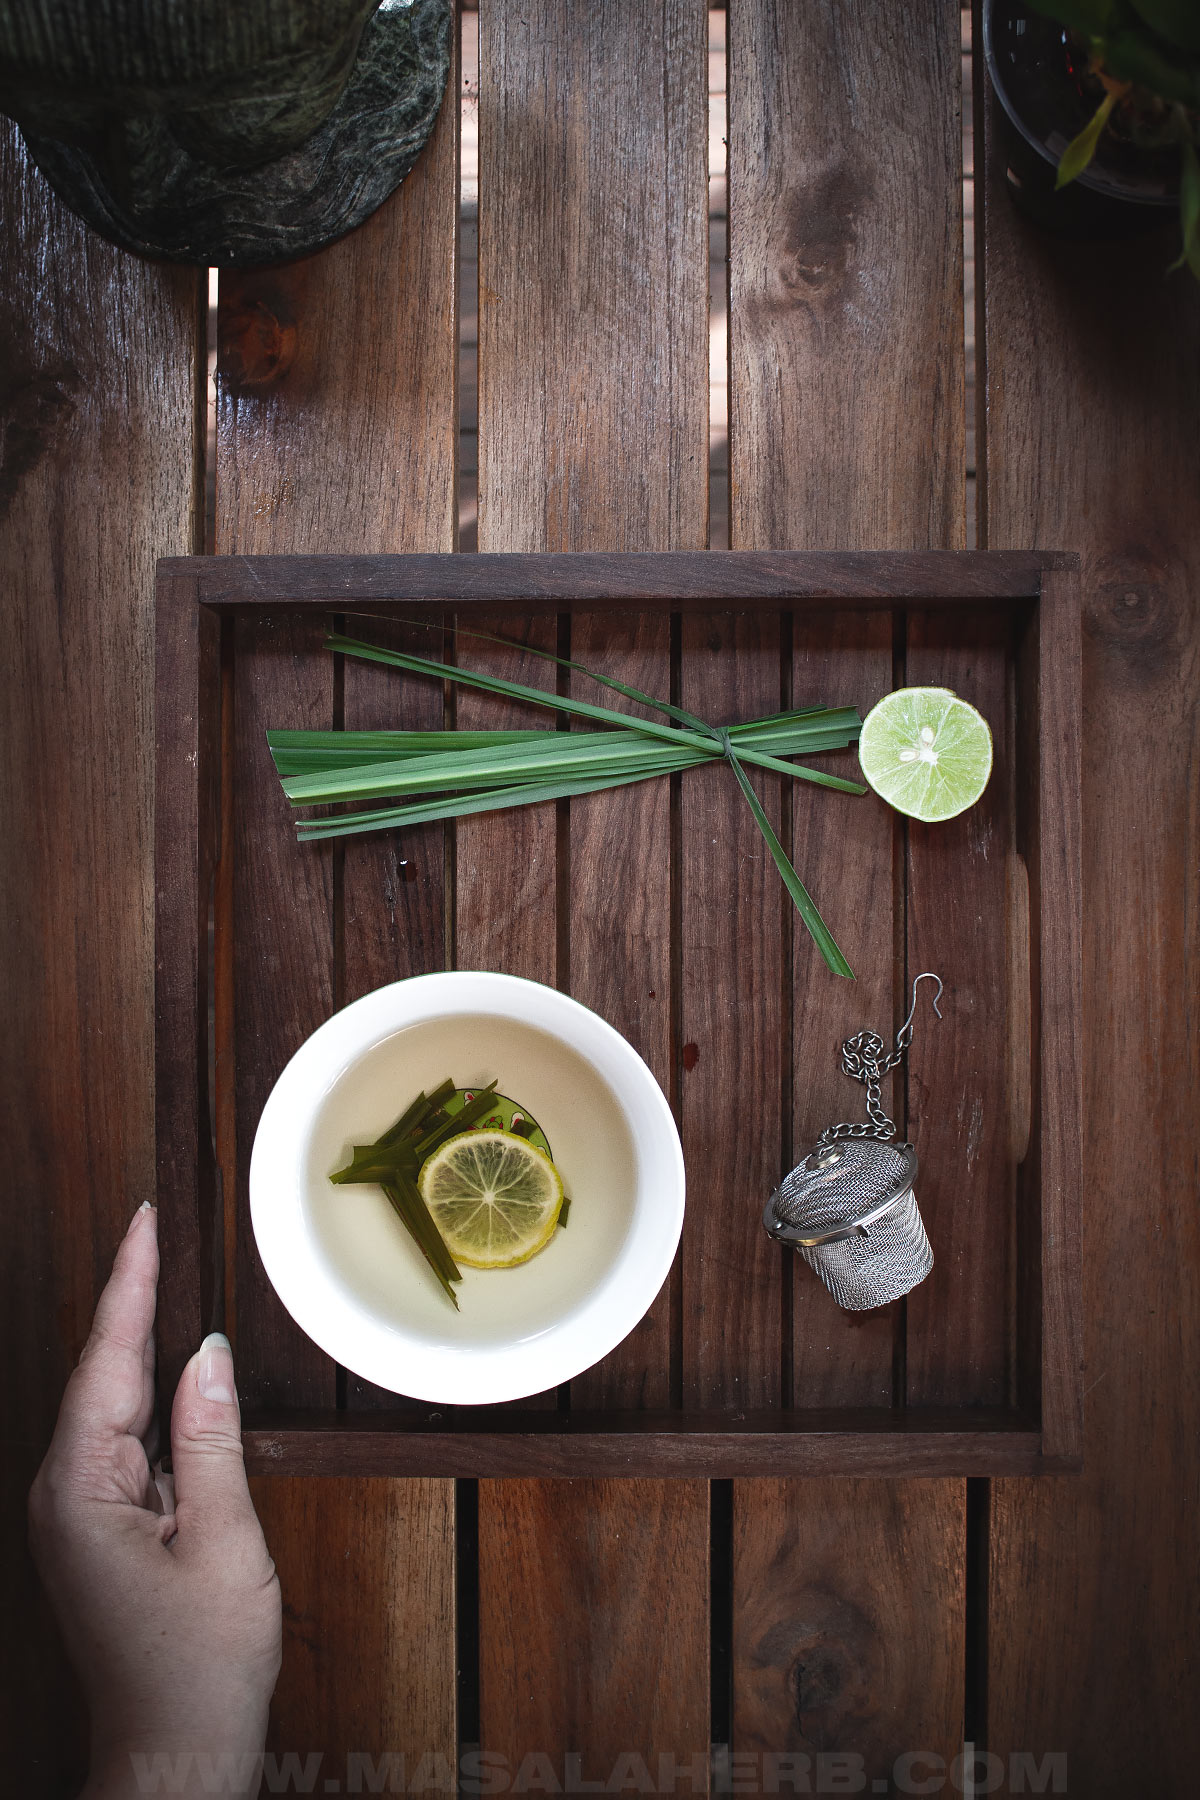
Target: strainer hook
[905, 1032]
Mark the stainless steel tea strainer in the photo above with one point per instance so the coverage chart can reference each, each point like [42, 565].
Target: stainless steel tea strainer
[849, 1207]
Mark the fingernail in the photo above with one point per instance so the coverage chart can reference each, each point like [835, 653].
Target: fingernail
[214, 1374]
[139, 1215]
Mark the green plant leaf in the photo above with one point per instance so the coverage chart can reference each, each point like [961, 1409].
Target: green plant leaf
[510, 690]
[1080, 151]
[564, 753]
[1178, 21]
[523, 767]
[563, 662]
[805, 906]
[424, 812]
[1093, 17]
[1189, 211]
[1134, 56]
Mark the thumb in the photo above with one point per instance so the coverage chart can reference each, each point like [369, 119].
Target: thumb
[211, 1495]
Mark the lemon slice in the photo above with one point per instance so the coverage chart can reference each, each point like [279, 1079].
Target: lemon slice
[926, 752]
[494, 1197]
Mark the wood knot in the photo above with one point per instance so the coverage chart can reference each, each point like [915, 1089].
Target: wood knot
[1135, 612]
[817, 238]
[256, 340]
[36, 407]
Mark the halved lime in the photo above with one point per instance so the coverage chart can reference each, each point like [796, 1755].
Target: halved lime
[494, 1197]
[926, 752]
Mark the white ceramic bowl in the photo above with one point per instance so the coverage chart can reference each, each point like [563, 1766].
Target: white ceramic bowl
[347, 1270]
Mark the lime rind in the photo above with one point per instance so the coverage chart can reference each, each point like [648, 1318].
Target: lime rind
[927, 752]
[494, 1196]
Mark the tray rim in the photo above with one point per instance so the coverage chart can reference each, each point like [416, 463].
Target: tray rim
[193, 594]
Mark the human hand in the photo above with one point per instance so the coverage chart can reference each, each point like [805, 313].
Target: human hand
[164, 1590]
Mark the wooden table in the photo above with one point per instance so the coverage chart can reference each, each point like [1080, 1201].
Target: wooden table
[857, 1620]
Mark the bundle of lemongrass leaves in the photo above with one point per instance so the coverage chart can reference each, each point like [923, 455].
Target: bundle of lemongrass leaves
[483, 771]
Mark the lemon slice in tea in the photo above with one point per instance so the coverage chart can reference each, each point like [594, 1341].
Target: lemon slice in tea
[494, 1197]
[926, 752]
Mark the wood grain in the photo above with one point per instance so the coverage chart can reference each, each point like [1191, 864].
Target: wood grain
[382, 1554]
[337, 425]
[575, 1677]
[1057, 867]
[847, 431]
[99, 372]
[847, 850]
[960, 1325]
[282, 966]
[517, 1443]
[1092, 441]
[393, 884]
[730, 1031]
[830, 1655]
[187, 828]
[506, 866]
[620, 946]
[592, 436]
[845, 276]
[593, 391]
[640, 580]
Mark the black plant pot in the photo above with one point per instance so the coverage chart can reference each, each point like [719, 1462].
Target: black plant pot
[1040, 76]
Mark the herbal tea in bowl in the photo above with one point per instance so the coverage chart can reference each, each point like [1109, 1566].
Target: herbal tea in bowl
[466, 1187]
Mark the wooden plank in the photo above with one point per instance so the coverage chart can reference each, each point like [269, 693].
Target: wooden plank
[845, 332]
[343, 433]
[282, 966]
[960, 1326]
[619, 919]
[592, 433]
[637, 580]
[847, 851]
[649, 1445]
[506, 866]
[1090, 370]
[593, 400]
[846, 430]
[393, 884]
[596, 1682]
[1059, 1119]
[187, 772]
[384, 1690]
[98, 467]
[832, 1657]
[730, 1031]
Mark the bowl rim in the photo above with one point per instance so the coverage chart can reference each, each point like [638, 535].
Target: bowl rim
[381, 1351]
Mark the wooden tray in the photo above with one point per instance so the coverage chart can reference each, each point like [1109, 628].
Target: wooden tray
[657, 906]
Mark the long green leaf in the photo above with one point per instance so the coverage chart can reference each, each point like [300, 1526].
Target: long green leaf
[1080, 151]
[578, 751]
[800, 772]
[295, 752]
[424, 812]
[562, 764]
[510, 690]
[1189, 211]
[484, 768]
[564, 662]
[819, 931]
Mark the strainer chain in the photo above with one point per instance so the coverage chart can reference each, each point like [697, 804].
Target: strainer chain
[864, 1059]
